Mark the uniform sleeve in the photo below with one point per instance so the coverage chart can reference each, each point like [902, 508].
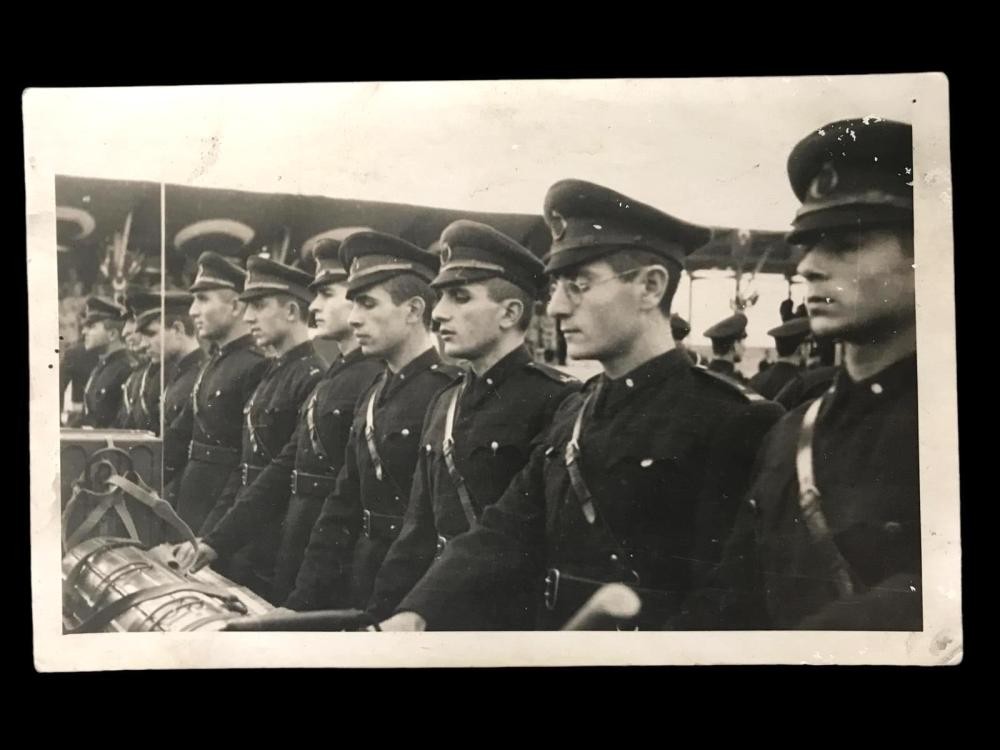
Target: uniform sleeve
[322, 578]
[731, 597]
[501, 553]
[260, 504]
[412, 553]
[732, 452]
[176, 439]
[223, 503]
[110, 407]
[892, 604]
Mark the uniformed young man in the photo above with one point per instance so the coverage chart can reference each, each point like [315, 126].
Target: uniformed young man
[277, 299]
[479, 431]
[790, 341]
[141, 391]
[829, 536]
[171, 338]
[289, 493]
[727, 346]
[638, 477]
[391, 318]
[102, 333]
[211, 426]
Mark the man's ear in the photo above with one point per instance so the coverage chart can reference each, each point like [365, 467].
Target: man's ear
[655, 280]
[513, 311]
[415, 310]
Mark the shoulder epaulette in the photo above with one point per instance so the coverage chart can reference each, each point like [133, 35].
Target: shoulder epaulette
[551, 372]
[451, 372]
[747, 393]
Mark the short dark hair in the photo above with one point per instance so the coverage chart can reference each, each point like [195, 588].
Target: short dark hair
[501, 289]
[722, 347]
[114, 325]
[786, 346]
[301, 305]
[628, 258]
[185, 320]
[406, 286]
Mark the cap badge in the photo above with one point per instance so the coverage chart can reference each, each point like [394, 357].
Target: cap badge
[355, 265]
[824, 183]
[445, 254]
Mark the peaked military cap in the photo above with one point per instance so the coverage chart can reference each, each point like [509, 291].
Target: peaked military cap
[373, 257]
[326, 252]
[138, 300]
[679, 328]
[174, 303]
[794, 328]
[99, 309]
[852, 174]
[217, 272]
[266, 277]
[733, 327]
[588, 221]
[471, 251]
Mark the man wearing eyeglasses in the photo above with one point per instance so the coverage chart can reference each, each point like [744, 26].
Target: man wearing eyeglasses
[638, 478]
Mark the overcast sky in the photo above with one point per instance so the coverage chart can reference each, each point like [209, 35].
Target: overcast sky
[711, 151]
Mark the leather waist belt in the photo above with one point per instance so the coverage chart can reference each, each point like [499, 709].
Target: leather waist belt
[213, 454]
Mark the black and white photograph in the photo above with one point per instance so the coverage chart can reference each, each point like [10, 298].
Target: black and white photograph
[493, 373]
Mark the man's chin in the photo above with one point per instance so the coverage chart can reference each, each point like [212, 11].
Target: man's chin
[457, 352]
[824, 328]
[580, 352]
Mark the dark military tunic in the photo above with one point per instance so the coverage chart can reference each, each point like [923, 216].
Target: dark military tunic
[768, 383]
[269, 420]
[805, 386]
[213, 420]
[140, 408]
[665, 453]
[75, 365]
[310, 460]
[866, 466]
[364, 514]
[499, 416]
[177, 390]
[727, 368]
[102, 398]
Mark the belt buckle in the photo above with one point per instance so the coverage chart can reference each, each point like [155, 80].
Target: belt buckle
[366, 523]
[442, 542]
[551, 588]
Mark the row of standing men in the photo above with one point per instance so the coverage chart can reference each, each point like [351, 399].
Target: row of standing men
[502, 495]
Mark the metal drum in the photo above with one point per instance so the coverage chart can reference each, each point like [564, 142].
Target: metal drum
[115, 585]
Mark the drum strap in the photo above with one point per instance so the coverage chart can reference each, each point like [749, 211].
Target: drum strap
[105, 616]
